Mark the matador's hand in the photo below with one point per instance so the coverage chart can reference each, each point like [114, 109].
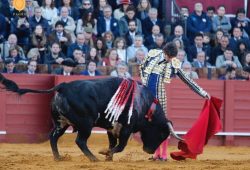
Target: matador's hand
[208, 96]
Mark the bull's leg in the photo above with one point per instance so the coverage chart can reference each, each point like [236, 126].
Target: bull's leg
[56, 133]
[123, 140]
[81, 141]
[112, 144]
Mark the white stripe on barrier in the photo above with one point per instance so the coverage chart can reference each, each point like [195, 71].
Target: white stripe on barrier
[221, 133]
[177, 132]
[3, 133]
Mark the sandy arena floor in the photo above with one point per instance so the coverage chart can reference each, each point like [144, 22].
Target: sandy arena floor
[39, 157]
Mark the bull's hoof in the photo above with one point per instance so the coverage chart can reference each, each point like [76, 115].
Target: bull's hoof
[109, 158]
[93, 159]
[104, 152]
[62, 158]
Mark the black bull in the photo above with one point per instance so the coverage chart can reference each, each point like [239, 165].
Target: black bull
[82, 104]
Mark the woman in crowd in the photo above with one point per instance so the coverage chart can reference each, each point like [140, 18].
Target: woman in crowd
[49, 11]
[100, 47]
[93, 56]
[111, 58]
[39, 40]
[120, 45]
[87, 20]
[142, 9]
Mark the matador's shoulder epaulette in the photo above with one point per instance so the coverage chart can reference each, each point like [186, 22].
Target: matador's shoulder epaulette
[176, 63]
[154, 52]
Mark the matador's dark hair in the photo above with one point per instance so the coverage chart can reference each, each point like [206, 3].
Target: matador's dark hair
[170, 49]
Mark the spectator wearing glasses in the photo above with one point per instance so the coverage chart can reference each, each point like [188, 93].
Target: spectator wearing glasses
[107, 23]
[72, 10]
[86, 7]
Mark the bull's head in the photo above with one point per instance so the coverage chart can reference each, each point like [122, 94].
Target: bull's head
[156, 131]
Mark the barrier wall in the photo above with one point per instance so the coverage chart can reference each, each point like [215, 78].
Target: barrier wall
[27, 118]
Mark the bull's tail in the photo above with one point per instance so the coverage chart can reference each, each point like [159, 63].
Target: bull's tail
[12, 86]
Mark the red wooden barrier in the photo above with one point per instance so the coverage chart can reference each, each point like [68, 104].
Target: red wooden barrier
[27, 118]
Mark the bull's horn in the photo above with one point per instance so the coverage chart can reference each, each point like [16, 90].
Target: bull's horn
[172, 131]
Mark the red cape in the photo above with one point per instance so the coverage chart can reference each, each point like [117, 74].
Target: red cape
[203, 129]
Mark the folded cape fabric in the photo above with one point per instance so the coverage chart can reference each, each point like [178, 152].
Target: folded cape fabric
[203, 129]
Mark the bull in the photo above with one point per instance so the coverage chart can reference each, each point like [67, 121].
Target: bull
[82, 104]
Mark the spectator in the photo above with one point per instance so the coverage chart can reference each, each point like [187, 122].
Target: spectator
[100, 47]
[150, 39]
[30, 7]
[179, 43]
[67, 67]
[79, 57]
[11, 42]
[111, 58]
[228, 60]
[131, 50]
[159, 42]
[182, 20]
[201, 61]
[39, 40]
[179, 33]
[236, 38]
[182, 56]
[130, 35]
[187, 68]
[129, 15]
[210, 12]
[229, 75]
[221, 21]
[150, 21]
[139, 57]
[34, 55]
[86, 7]
[9, 66]
[120, 12]
[121, 70]
[107, 23]
[90, 38]
[49, 11]
[120, 45]
[218, 35]
[55, 56]
[198, 22]
[14, 55]
[21, 28]
[61, 36]
[59, 3]
[68, 21]
[87, 21]
[93, 56]
[246, 59]
[80, 43]
[143, 9]
[91, 69]
[197, 47]
[246, 73]
[220, 48]
[99, 8]
[242, 22]
[72, 10]
[241, 50]
[32, 67]
[37, 19]
[108, 38]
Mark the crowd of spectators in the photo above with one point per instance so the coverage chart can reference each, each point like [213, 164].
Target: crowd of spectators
[118, 34]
